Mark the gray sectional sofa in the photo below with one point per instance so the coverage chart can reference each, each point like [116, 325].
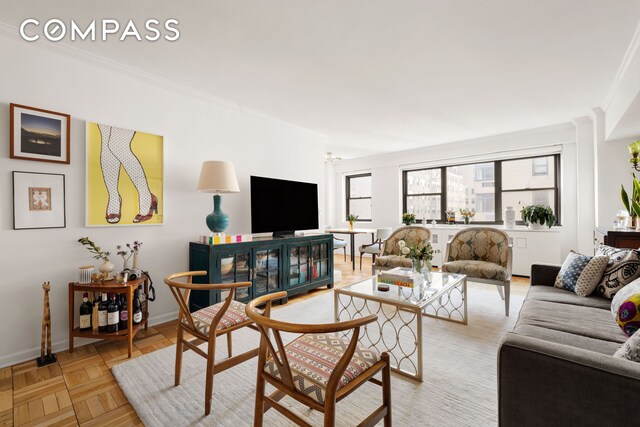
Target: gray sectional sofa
[556, 368]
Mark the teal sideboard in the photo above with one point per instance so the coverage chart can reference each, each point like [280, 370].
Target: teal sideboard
[293, 264]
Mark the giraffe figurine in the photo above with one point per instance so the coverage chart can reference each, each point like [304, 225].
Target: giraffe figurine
[46, 355]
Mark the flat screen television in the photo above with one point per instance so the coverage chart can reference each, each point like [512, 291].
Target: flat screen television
[282, 207]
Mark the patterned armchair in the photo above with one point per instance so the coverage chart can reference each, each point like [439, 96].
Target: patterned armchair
[391, 258]
[484, 254]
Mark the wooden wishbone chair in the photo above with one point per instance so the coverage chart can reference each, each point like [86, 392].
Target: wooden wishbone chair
[318, 369]
[207, 324]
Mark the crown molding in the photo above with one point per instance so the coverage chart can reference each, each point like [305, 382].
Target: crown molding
[12, 32]
[632, 51]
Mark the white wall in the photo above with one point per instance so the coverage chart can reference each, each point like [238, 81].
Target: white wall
[614, 169]
[387, 169]
[195, 129]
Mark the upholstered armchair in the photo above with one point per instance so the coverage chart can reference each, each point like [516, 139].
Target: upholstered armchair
[391, 257]
[484, 254]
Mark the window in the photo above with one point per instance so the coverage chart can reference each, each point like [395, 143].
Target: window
[423, 193]
[471, 187]
[486, 187]
[532, 181]
[359, 196]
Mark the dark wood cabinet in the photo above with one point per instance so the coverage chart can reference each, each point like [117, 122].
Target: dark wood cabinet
[293, 264]
[626, 238]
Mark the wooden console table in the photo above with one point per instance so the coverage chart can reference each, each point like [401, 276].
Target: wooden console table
[624, 238]
[112, 287]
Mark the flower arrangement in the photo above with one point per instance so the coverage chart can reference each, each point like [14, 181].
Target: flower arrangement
[467, 214]
[128, 251]
[417, 254]
[96, 250]
[408, 218]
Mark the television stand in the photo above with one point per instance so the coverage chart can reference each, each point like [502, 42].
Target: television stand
[294, 264]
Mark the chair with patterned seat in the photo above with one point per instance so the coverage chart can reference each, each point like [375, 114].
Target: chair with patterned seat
[318, 369]
[484, 255]
[413, 235]
[222, 318]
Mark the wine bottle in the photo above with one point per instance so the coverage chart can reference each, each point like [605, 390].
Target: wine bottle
[85, 313]
[113, 315]
[137, 308]
[94, 308]
[124, 313]
[102, 313]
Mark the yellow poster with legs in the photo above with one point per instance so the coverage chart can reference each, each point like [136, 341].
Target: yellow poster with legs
[124, 176]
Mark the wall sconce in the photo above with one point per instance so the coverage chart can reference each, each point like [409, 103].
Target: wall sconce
[634, 150]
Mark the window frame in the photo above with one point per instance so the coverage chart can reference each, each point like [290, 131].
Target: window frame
[349, 198]
[405, 189]
[498, 191]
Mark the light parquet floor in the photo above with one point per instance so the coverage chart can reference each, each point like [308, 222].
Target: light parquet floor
[80, 390]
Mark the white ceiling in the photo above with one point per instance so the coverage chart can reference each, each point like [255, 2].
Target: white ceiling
[378, 75]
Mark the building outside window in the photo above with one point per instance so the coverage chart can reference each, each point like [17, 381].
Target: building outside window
[359, 196]
[486, 187]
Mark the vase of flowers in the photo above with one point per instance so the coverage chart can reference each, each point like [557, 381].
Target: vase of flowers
[126, 254]
[106, 266]
[351, 218]
[450, 215]
[467, 214]
[420, 255]
[135, 249]
[408, 218]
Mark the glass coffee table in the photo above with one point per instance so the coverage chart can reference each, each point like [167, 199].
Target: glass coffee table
[398, 330]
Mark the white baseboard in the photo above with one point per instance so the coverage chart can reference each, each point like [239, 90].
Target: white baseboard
[58, 346]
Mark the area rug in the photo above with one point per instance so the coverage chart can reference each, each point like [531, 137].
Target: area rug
[459, 387]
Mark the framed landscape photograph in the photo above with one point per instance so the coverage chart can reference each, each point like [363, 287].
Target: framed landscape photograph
[38, 200]
[39, 135]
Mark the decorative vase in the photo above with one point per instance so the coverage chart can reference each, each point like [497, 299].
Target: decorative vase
[467, 220]
[135, 262]
[509, 218]
[350, 225]
[217, 221]
[417, 265]
[427, 270]
[106, 267]
[637, 225]
[125, 264]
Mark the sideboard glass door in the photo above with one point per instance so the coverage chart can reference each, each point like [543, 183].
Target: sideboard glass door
[236, 267]
[266, 277]
[298, 265]
[319, 260]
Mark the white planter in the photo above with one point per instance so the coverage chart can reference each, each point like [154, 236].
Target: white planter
[537, 226]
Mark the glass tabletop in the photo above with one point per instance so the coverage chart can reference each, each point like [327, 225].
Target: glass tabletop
[398, 295]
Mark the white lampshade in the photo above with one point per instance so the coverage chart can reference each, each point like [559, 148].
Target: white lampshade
[218, 177]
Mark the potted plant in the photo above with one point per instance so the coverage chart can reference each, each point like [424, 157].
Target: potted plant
[408, 218]
[632, 204]
[536, 216]
[351, 218]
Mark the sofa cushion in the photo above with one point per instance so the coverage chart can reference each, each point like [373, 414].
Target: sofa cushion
[478, 269]
[581, 273]
[622, 269]
[630, 349]
[578, 320]
[567, 338]
[625, 307]
[548, 293]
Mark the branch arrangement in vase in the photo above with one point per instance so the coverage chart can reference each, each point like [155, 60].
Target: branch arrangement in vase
[97, 252]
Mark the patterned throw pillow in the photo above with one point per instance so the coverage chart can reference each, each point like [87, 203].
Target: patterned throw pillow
[630, 349]
[625, 307]
[581, 273]
[623, 268]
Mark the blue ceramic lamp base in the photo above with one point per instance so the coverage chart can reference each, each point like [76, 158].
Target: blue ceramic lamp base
[217, 221]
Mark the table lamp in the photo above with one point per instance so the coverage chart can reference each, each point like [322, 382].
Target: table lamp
[217, 177]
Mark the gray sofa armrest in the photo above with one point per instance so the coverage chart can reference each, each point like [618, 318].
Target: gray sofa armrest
[542, 383]
[544, 274]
